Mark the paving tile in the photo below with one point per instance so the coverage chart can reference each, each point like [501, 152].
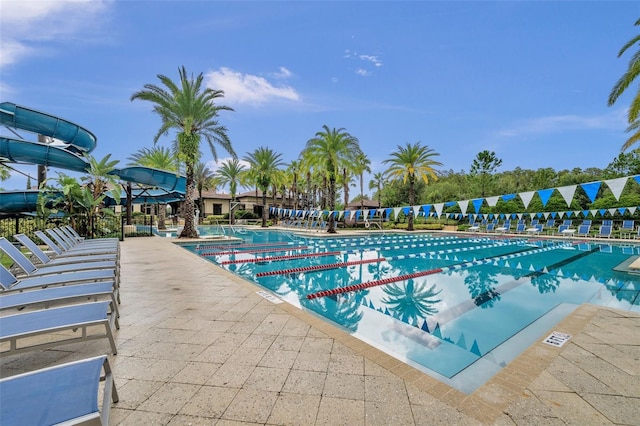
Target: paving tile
[311, 361]
[196, 373]
[305, 382]
[571, 408]
[340, 412]
[617, 408]
[383, 413]
[209, 401]
[295, 409]
[386, 389]
[267, 379]
[230, 375]
[347, 386]
[251, 406]
[169, 398]
[351, 364]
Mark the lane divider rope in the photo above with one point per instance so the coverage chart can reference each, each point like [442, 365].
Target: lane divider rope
[362, 286]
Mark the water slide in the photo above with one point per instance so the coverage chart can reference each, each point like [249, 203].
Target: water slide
[68, 155]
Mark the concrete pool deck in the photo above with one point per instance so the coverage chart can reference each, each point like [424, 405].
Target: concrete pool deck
[198, 345]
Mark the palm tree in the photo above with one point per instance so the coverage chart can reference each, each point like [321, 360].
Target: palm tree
[329, 151]
[293, 171]
[361, 166]
[4, 172]
[160, 158]
[633, 71]
[376, 183]
[191, 111]
[264, 163]
[409, 162]
[99, 181]
[205, 179]
[230, 172]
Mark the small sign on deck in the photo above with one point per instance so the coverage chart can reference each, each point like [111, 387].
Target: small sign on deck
[270, 297]
[557, 339]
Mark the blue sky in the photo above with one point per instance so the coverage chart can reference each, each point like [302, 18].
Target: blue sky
[528, 80]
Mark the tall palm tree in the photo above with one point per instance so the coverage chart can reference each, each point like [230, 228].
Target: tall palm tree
[376, 183]
[190, 110]
[409, 162]
[293, 171]
[230, 173]
[160, 158]
[361, 166]
[329, 151]
[264, 163]
[205, 179]
[632, 72]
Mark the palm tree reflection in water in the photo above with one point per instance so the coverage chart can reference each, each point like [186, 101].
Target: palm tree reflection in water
[411, 301]
[481, 284]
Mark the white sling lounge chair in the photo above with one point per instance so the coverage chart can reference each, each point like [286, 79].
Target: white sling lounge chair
[61, 295]
[45, 259]
[9, 282]
[59, 251]
[70, 246]
[32, 270]
[61, 394]
[81, 318]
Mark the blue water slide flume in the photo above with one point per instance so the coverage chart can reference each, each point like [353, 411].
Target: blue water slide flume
[79, 139]
[153, 177]
[22, 151]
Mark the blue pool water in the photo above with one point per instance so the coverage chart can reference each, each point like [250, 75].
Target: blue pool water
[457, 307]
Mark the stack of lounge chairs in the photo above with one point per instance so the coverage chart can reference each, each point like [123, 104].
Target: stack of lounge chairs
[65, 295]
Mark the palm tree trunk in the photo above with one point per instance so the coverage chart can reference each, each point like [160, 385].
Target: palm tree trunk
[264, 209]
[332, 205]
[412, 196]
[162, 210]
[189, 230]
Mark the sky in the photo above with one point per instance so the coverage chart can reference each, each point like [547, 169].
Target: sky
[526, 80]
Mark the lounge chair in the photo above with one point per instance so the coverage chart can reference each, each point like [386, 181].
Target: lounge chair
[583, 230]
[604, 231]
[506, 227]
[54, 296]
[521, 227]
[626, 230]
[490, 227]
[535, 229]
[474, 226]
[45, 259]
[57, 244]
[32, 270]
[9, 282]
[71, 242]
[565, 230]
[74, 234]
[551, 223]
[81, 318]
[61, 394]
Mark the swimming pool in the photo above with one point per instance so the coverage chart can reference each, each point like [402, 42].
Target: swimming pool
[458, 307]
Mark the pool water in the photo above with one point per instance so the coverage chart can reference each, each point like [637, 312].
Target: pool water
[456, 307]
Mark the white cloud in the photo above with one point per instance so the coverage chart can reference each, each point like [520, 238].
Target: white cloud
[248, 89]
[283, 73]
[373, 59]
[27, 24]
[560, 123]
